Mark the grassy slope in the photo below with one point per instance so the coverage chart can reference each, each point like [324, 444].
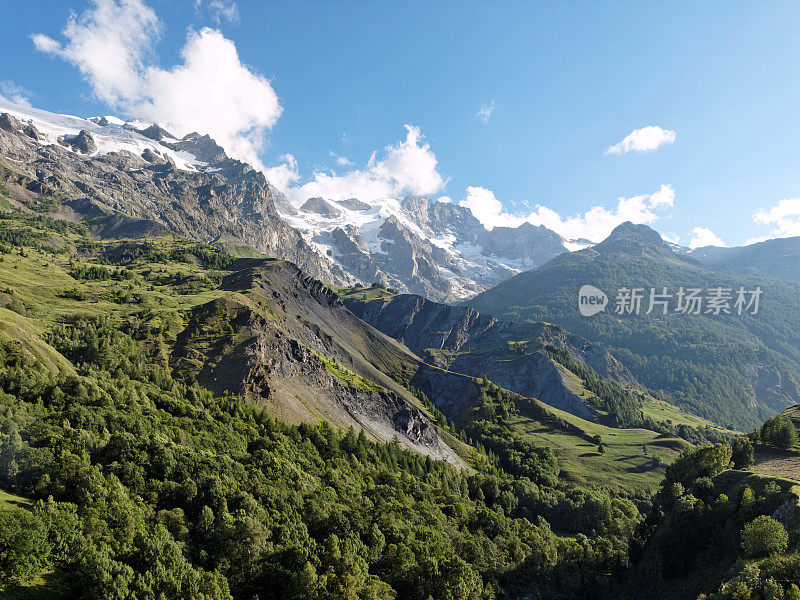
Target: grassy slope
[9, 501]
[623, 464]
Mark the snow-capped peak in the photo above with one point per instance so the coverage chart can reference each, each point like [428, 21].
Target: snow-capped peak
[109, 134]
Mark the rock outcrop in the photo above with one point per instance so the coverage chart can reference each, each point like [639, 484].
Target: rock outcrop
[214, 199]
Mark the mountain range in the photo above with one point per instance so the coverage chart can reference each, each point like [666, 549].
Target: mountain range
[130, 179]
[154, 183]
[776, 258]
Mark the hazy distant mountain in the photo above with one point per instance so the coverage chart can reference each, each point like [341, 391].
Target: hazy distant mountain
[778, 258]
[733, 368]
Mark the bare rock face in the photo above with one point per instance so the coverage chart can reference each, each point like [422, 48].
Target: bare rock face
[228, 200]
[201, 146]
[321, 207]
[83, 142]
[773, 386]
[156, 132]
[282, 357]
[354, 204]
[355, 256]
[10, 123]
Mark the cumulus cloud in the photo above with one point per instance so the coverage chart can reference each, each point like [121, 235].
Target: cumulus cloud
[109, 44]
[407, 167]
[665, 196]
[784, 218]
[285, 174]
[645, 139]
[485, 207]
[11, 92]
[672, 237]
[211, 91]
[702, 236]
[594, 224]
[486, 112]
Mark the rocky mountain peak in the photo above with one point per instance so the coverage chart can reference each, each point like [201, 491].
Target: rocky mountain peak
[321, 207]
[354, 204]
[201, 146]
[83, 142]
[156, 132]
[631, 238]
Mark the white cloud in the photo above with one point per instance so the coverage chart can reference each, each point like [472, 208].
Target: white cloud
[222, 11]
[211, 91]
[702, 236]
[784, 217]
[45, 43]
[594, 225]
[11, 92]
[283, 175]
[665, 196]
[643, 140]
[342, 161]
[445, 199]
[485, 207]
[672, 237]
[407, 167]
[109, 44]
[486, 112]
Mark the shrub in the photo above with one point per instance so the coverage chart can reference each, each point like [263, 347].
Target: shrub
[764, 536]
[742, 455]
[779, 432]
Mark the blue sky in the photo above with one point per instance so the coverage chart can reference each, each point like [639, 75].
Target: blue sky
[566, 81]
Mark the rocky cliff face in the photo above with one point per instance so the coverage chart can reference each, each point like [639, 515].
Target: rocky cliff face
[125, 182]
[284, 340]
[772, 386]
[460, 339]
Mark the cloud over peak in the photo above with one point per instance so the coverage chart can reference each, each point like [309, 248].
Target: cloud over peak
[702, 236]
[409, 166]
[211, 91]
[594, 225]
[645, 139]
[784, 217]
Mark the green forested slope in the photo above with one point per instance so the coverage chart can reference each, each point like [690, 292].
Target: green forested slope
[733, 369]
